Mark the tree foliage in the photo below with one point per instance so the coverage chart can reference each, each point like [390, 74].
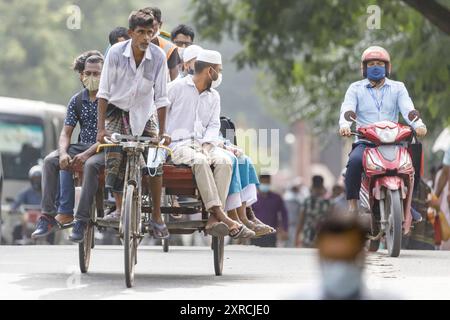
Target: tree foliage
[308, 52]
[37, 46]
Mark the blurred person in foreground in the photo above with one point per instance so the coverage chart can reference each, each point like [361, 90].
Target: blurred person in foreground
[340, 241]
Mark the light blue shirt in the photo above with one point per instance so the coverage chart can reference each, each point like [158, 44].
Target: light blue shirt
[373, 105]
[446, 161]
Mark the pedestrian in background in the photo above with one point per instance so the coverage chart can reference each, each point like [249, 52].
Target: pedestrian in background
[271, 210]
[294, 198]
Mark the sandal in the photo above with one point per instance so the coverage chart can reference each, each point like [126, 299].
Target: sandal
[241, 232]
[160, 231]
[113, 216]
[263, 225]
[217, 229]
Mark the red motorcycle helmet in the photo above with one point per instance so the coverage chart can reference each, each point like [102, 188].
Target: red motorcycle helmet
[375, 53]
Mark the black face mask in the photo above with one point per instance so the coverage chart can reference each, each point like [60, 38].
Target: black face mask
[191, 72]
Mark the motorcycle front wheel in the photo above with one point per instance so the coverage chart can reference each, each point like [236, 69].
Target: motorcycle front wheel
[394, 213]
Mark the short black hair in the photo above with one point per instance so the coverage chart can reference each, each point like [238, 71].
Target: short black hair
[199, 66]
[183, 29]
[80, 61]
[118, 32]
[94, 59]
[140, 18]
[156, 12]
[338, 224]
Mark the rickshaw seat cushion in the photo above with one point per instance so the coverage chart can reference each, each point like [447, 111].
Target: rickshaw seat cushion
[178, 177]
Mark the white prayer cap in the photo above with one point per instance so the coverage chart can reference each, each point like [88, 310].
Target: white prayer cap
[210, 56]
[191, 52]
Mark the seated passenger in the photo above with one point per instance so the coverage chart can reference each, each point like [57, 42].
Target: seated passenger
[193, 121]
[82, 109]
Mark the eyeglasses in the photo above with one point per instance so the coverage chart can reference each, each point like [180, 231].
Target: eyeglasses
[183, 44]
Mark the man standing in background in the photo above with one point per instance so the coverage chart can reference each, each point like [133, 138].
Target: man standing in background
[270, 209]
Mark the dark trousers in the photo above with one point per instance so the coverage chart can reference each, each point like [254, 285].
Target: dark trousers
[355, 171]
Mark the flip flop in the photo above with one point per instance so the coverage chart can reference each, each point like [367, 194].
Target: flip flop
[217, 229]
[160, 231]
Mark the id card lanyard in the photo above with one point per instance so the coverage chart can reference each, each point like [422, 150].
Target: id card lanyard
[378, 104]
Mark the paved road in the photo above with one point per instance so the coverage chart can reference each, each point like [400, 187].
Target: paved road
[51, 272]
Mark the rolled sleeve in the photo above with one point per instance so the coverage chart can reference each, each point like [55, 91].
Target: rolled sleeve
[104, 89]
[71, 116]
[349, 104]
[161, 94]
[406, 105]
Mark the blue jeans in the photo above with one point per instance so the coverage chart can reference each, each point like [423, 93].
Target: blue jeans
[355, 170]
[66, 192]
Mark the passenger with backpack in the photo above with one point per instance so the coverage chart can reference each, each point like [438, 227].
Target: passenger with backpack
[59, 165]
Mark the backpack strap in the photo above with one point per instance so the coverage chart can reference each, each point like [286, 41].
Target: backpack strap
[226, 123]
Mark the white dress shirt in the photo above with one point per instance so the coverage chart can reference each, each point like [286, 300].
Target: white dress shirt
[141, 90]
[192, 115]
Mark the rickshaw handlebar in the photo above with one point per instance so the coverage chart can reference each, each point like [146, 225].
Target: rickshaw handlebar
[118, 139]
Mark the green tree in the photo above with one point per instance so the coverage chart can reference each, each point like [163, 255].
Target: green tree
[38, 44]
[308, 51]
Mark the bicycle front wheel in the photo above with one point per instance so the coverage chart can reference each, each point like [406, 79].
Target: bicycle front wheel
[130, 234]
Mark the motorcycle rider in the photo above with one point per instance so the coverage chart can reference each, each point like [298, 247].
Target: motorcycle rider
[376, 98]
[32, 195]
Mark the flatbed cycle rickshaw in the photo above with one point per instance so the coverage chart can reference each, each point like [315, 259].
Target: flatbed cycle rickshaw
[136, 208]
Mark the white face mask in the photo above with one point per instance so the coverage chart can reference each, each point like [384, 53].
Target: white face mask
[217, 82]
[91, 83]
[341, 280]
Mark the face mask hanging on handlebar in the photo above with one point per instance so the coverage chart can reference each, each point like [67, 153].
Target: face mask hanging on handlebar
[155, 158]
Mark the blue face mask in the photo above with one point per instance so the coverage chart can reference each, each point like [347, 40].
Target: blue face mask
[376, 73]
[264, 187]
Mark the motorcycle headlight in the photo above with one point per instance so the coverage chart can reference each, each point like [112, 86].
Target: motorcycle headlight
[387, 135]
[373, 164]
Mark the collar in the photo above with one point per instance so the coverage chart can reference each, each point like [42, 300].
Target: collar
[127, 51]
[387, 82]
[190, 82]
[85, 95]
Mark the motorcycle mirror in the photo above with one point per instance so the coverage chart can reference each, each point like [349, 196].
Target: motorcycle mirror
[350, 116]
[414, 115]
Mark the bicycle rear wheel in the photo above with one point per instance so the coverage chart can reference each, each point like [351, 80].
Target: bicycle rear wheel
[85, 247]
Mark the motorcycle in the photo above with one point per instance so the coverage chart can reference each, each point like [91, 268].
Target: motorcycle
[388, 180]
[29, 215]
